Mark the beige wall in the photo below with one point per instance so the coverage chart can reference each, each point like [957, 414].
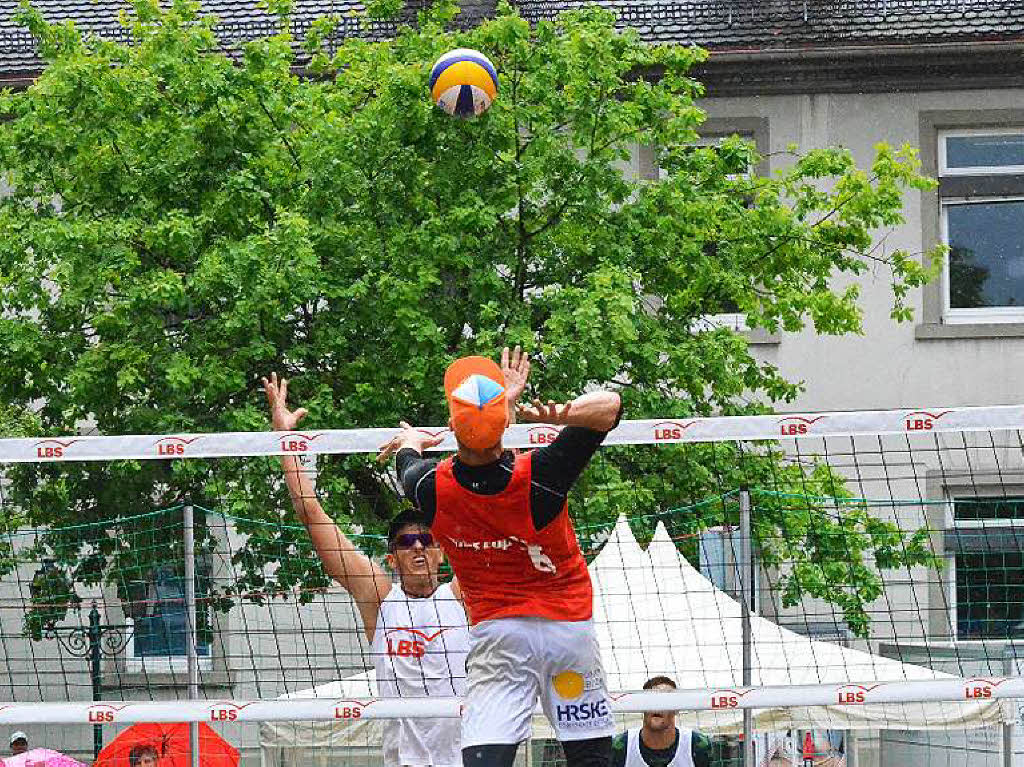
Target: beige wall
[887, 367]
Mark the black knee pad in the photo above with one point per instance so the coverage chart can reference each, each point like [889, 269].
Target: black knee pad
[494, 755]
[594, 752]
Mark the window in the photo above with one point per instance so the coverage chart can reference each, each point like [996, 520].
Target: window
[161, 629]
[987, 541]
[982, 217]
[729, 316]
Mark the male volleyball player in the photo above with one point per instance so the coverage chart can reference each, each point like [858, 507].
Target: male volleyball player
[416, 628]
[503, 522]
[659, 743]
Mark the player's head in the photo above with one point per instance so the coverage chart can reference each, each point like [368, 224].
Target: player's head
[412, 550]
[658, 721]
[19, 743]
[477, 408]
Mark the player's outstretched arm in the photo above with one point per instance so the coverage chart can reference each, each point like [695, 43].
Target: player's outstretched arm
[344, 562]
[597, 410]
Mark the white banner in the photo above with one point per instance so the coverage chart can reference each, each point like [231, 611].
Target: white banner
[328, 709]
[653, 431]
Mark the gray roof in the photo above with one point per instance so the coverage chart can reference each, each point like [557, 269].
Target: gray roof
[729, 25]
[721, 25]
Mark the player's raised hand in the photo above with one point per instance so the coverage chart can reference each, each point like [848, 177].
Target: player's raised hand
[408, 437]
[516, 369]
[281, 417]
[539, 412]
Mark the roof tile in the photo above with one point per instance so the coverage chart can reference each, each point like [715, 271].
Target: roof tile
[716, 24]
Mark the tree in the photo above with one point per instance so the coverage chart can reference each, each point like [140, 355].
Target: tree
[182, 221]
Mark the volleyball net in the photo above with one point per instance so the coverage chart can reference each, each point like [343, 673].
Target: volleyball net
[840, 572]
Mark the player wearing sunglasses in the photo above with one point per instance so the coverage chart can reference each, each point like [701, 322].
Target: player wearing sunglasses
[416, 627]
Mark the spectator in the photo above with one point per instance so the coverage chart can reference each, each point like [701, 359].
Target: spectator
[19, 743]
[143, 755]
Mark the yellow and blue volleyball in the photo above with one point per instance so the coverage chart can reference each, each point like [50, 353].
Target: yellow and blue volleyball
[463, 82]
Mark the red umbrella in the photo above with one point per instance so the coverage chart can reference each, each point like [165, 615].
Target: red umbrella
[171, 745]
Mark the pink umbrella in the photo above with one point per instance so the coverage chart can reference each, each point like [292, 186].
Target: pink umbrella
[41, 757]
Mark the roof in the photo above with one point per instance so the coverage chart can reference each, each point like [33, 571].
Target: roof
[240, 21]
[721, 25]
[727, 25]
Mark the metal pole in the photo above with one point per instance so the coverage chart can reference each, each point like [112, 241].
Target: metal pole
[746, 594]
[1009, 669]
[95, 673]
[193, 635]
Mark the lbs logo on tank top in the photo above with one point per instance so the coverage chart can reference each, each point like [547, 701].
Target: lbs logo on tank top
[409, 642]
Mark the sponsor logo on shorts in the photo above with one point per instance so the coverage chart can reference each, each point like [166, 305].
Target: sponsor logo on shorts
[568, 684]
[593, 713]
[571, 684]
[586, 705]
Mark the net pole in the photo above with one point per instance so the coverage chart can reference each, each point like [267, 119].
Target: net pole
[189, 545]
[745, 592]
[1009, 663]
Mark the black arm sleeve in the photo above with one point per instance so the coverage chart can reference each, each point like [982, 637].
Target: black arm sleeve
[417, 475]
[557, 466]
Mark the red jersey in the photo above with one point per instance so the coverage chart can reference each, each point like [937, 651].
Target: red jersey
[505, 567]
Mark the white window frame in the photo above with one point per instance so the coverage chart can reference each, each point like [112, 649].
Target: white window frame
[977, 170]
[988, 314]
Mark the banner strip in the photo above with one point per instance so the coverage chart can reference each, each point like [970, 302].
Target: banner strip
[911, 421]
[955, 690]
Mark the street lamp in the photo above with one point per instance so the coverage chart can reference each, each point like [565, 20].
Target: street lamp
[93, 642]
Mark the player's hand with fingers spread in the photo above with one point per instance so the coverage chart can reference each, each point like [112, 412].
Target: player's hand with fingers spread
[539, 412]
[516, 369]
[408, 437]
[281, 417]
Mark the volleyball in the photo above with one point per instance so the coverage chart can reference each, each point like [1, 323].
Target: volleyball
[463, 82]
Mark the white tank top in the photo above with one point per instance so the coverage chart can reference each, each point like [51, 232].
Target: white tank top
[684, 750]
[419, 648]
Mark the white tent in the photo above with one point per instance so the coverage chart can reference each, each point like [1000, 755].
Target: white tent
[656, 614]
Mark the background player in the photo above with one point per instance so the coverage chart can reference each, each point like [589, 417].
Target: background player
[416, 627]
[659, 743]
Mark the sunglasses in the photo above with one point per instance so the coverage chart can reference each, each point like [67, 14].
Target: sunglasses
[408, 540]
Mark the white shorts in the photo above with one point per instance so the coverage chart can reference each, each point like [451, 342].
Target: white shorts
[514, 661]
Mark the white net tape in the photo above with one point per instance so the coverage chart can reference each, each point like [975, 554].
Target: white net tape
[330, 709]
[640, 432]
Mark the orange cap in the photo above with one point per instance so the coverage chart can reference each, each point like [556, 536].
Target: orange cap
[475, 390]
